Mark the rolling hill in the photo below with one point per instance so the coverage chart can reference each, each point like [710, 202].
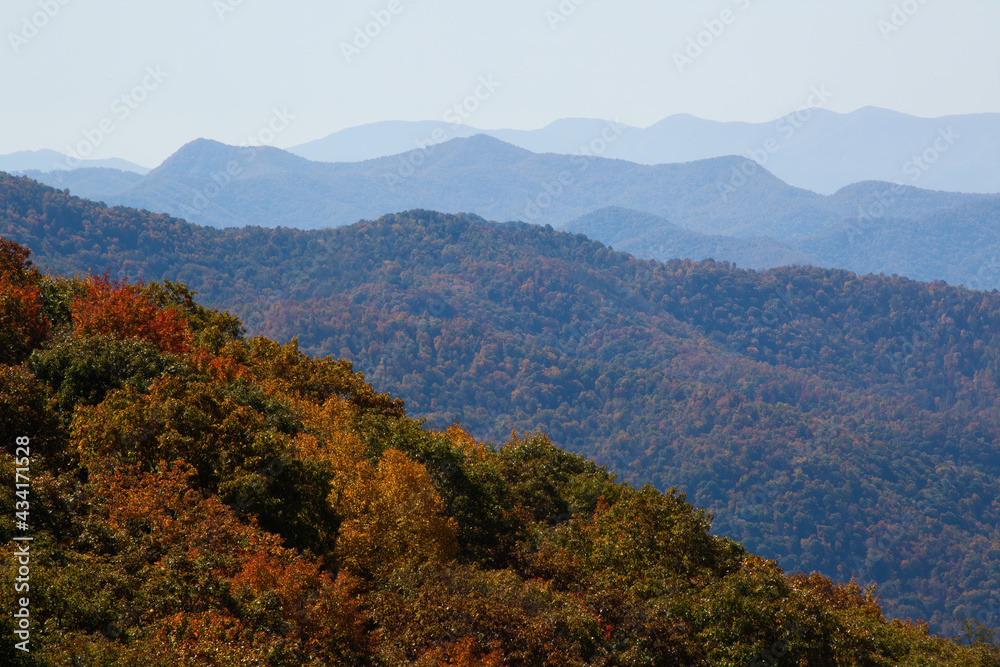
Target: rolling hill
[813, 149]
[200, 497]
[223, 186]
[269, 187]
[839, 423]
[959, 245]
[94, 183]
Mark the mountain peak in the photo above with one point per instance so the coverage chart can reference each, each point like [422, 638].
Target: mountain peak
[479, 149]
[209, 155]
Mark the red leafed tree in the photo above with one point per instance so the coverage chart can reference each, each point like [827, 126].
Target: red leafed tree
[23, 326]
[254, 601]
[115, 308]
[14, 260]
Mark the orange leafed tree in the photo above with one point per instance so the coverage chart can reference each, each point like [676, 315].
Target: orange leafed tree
[466, 652]
[216, 366]
[257, 600]
[115, 308]
[23, 326]
[14, 260]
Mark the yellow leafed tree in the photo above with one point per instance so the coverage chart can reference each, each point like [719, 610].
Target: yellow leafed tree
[392, 515]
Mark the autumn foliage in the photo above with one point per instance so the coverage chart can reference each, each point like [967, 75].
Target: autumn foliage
[200, 498]
[803, 407]
[115, 308]
[23, 326]
[393, 515]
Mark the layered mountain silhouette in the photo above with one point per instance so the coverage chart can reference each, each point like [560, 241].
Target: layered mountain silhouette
[219, 185]
[960, 245]
[729, 208]
[811, 148]
[48, 160]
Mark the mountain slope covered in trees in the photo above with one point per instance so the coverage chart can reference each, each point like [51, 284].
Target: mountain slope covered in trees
[198, 498]
[838, 423]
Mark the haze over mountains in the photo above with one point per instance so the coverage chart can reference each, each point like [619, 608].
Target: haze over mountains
[727, 208]
[510, 334]
[811, 148]
[48, 160]
[959, 245]
[479, 174]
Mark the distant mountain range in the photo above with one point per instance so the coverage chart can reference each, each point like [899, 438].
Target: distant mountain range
[960, 245]
[649, 236]
[223, 186]
[815, 149]
[811, 148]
[93, 182]
[726, 208]
[47, 160]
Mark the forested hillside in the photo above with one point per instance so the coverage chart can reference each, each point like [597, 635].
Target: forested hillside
[199, 498]
[837, 423]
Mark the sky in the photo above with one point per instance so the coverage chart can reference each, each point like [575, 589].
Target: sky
[138, 79]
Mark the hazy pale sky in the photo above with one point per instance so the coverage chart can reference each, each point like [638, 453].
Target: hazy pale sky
[138, 79]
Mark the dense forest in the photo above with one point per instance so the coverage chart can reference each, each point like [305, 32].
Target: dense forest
[837, 423]
[198, 497]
